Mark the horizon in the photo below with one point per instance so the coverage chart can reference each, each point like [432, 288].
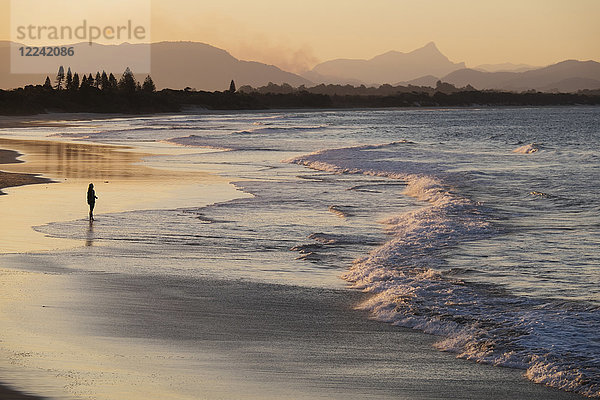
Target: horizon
[296, 38]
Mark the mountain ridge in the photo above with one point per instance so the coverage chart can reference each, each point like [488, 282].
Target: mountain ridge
[181, 64]
[174, 64]
[506, 67]
[567, 75]
[392, 66]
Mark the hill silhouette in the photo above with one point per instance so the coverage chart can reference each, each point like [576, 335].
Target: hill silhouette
[565, 76]
[505, 67]
[389, 67]
[174, 65]
[179, 65]
[427, 80]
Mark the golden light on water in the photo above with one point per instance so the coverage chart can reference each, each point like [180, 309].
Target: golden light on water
[118, 174]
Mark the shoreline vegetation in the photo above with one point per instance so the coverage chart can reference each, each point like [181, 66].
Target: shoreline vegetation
[103, 93]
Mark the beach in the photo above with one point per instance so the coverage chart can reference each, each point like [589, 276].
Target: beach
[116, 171]
[14, 179]
[138, 306]
[191, 339]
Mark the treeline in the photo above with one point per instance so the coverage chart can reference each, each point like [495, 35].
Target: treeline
[362, 90]
[99, 93]
[101, 82]
[103, 93]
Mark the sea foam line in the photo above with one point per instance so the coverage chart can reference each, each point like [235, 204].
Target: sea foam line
[410, 288]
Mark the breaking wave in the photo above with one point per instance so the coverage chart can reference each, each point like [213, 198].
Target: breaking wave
[554, 341]
[198, 141]
[265, 129]
[527, 149]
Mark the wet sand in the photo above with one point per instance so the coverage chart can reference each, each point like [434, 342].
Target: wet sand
[115, 336]
[119, 172]
[9, 394]
[122, 182]
[8, 179]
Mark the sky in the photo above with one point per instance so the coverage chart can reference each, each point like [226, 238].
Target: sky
[296, 35]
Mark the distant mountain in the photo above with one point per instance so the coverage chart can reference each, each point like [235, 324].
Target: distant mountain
[389, 67]
[505, 67]
[179, 64]
[571, 85]
[316, 77]
[8, 80]
[566, 76]
[175, 65]
[427, 80]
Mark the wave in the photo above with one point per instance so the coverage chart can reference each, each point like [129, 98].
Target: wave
[412, 286]
[341, 211]
[197, 141]
[527, 149]
[328, 238]
[540, 194]
[76, 135]
[224, 143]
[267, 129]
[120, 133]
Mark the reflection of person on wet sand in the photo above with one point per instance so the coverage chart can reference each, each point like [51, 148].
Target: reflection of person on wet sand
[89, 240]
[91, 200]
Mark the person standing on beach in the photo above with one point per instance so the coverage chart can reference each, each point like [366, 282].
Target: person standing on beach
[91, 200]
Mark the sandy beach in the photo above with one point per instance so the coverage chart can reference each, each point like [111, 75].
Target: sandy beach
[8, 179]
[116, 171]
[74, 327]
[144, 337]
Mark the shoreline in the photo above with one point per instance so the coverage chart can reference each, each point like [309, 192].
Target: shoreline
[11, 179]
[248, 339]
[6, 393]
[8, 179]
[53, 119]
[237, 339]
[116, 172]
[11, 152]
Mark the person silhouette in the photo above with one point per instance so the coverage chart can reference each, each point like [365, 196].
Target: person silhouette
[91, 200]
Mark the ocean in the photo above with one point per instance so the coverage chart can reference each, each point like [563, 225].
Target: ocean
[478, 225]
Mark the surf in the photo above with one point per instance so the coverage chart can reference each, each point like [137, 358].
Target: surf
[412, 285]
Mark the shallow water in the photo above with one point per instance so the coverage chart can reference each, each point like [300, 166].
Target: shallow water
[480, 225]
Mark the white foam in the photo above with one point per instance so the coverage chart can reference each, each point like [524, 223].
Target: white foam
[268, 129]
[527, 149]
[196, 141]
[555, 343]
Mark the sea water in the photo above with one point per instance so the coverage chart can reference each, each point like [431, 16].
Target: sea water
[478, 225]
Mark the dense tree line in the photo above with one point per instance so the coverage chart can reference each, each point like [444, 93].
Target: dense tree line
[349, 90]
[102, 82]
[103, 93]
[100, 93]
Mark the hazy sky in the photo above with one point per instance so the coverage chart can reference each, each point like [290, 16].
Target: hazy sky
[298, 34]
